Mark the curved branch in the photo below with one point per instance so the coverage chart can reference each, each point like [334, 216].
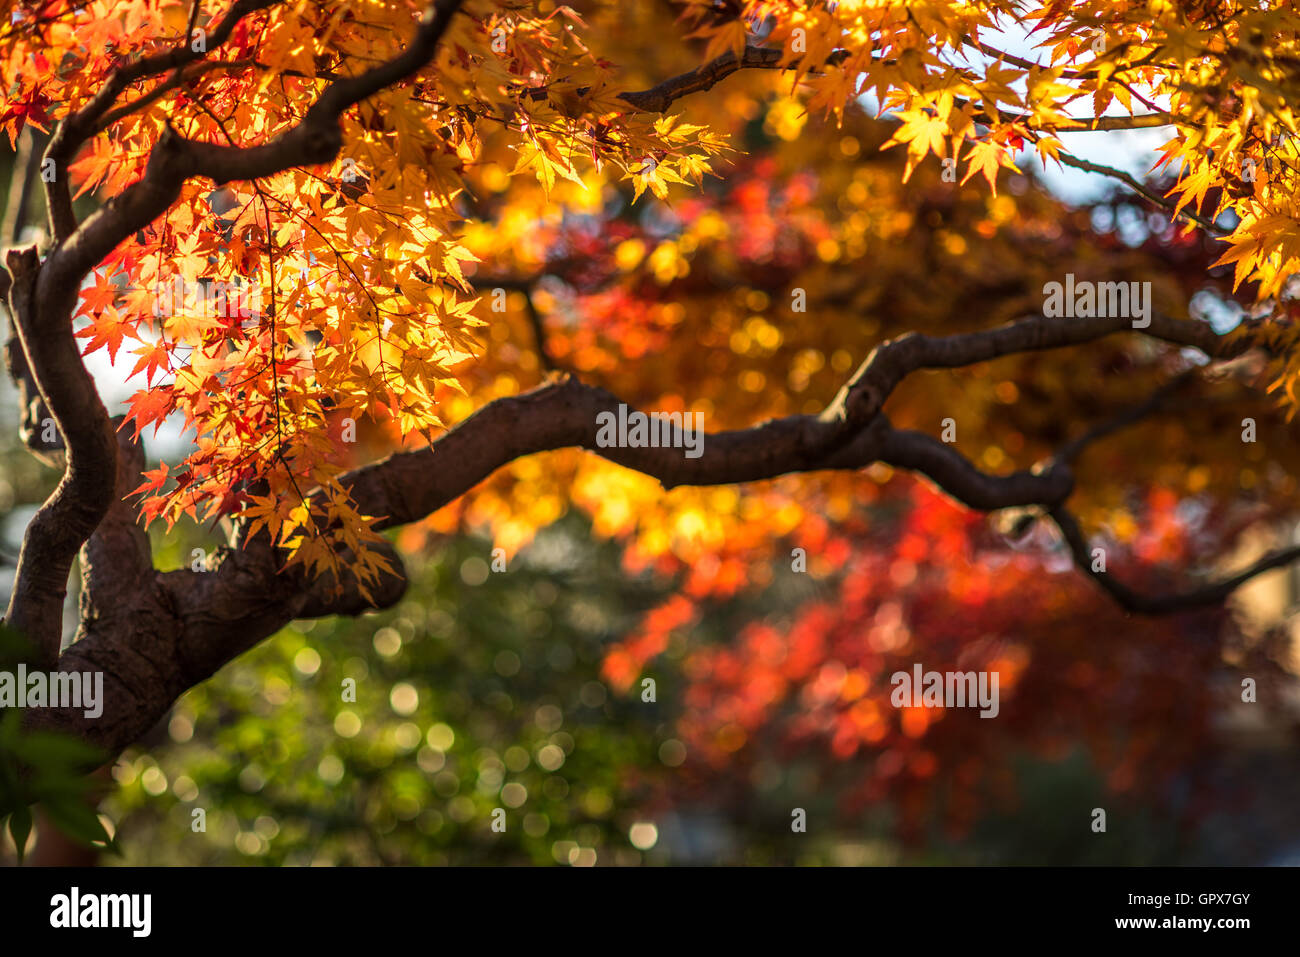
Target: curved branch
[1138, 603]
[658, 98]
[661, 96]
[1142, 190]
[181, 77]
[32, 411]
[74, 509]
[850, 433]
[956, 475]
[407, 486]
[1074, 448]
[864, 395]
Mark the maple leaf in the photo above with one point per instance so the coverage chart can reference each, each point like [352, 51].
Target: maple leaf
[99, 295]
[985, 158]
[107, 329]
[154, 357]
[923, 132]
[150, 407]
[155, 479]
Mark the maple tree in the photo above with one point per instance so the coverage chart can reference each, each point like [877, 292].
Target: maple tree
[385, 177]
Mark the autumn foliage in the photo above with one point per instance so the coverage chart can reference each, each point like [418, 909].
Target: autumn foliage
[723, 207]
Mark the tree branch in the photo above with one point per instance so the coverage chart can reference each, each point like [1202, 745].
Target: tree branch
[316, 139]
[74, 509]
[1074, 448]
[850, 433]
[1142, 190]
[864, 395]
[956, 475]
[661, 96]
[1138, 603]
[185, 625]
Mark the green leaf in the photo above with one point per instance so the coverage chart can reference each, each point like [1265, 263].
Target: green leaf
[20, 826]
[43, 748]
[77, 820]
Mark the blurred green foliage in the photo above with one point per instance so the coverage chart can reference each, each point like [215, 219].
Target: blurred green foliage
[481, 690]
[478, 691]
